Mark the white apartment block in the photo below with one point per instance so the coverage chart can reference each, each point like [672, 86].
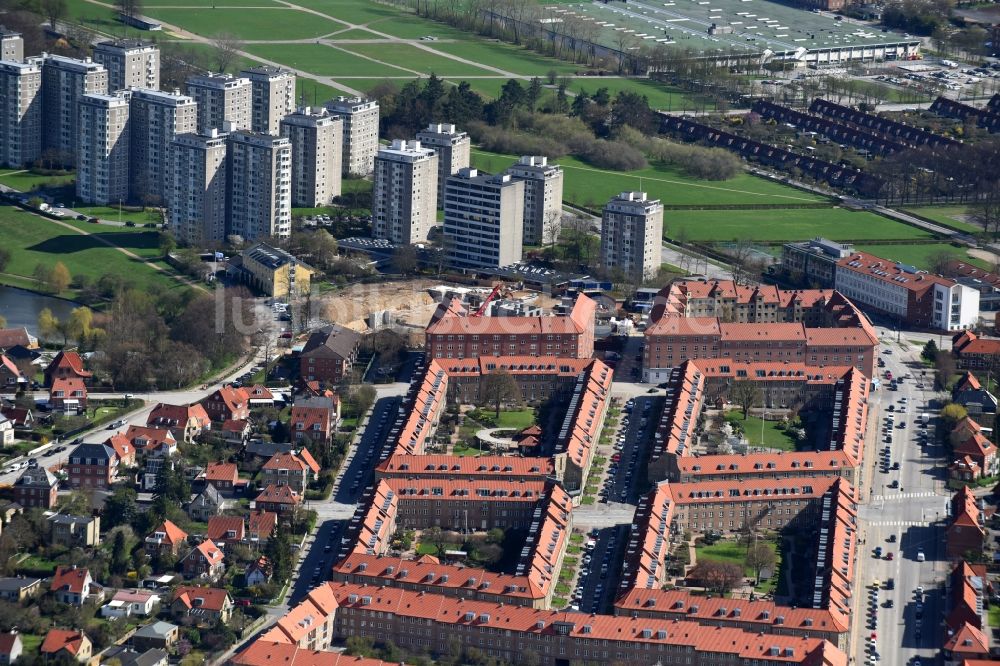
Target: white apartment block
[316, 138]
[102, 164]
[131, 63]
[404, 196]
[483, 219]
[632, 235]
[156, 118]
[64, 82]
[11, 45]
[196, 189]
[272, 97]
[259, 175]
[224, 102]
[360, 132]
[543, 191]
[20, 113]
[453, 149]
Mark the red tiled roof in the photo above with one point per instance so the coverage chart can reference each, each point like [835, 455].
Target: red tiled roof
[450, 320]
[887, 270]
[171, 532]
[264, 652]
[70, 360]
[221, 471]
[70, 579]
[69, 386]
[262, 523]
[122, 446]
[278, 495]
[968, 640]
[219, 528]
[209, 552]
[62, 639]
[404, 464]
[167, 415]
[211, 598]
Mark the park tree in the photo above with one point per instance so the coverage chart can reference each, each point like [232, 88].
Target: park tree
[119, 554]
[719, 577]
[120, 508]
[499, 388]
[930, 351]
[48, 324]
[226, 51]
[279, 552]
[760, 556]
[59, 278]
[54, 10]
[746, 394]
[80, 323]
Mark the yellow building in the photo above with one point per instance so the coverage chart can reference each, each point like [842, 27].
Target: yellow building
[274, 272]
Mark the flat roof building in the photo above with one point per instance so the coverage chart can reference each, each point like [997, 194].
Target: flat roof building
[404, 196]
[360, 132]
[20, 112]
[103, 152]
[11, 45]
[131, 63]
[272, 97]
[632, 235]
[453, 150]
[543, 190]
[64, 82]
[317, 146]
[196, 188]
[259, 175]
[157, 117]
[483, 219]
[224, 102]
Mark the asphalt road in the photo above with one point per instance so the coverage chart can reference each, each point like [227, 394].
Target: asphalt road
[911, 513]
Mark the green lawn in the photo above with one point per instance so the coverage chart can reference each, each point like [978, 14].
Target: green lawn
[520, 419]
[195, 4]
[323, 60]
[587, 186]
[412, 27]
[260, 23]
[99, 18]
[463, 449]
[315, 93]
[25, 181]
[731, 552]
[992, 617]
[660, 96]
[787, 224]
[773, 438]
[946, 216]
[354, 11]
[508, 58]
[31, 643]
[922, 255]
[148, 216]
[354, 33]
[414, 58]
[33, 239]
[427, 549]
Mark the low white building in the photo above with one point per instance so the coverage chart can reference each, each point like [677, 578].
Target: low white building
[6, 431]
[126, 603]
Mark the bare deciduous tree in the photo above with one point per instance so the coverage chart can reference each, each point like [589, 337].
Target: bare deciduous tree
[227, 50]
[746, 394]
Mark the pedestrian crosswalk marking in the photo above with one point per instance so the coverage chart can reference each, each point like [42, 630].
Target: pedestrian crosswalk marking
[881, 498]
[897, 523]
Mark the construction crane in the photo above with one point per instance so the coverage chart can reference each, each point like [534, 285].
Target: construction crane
[497, 288]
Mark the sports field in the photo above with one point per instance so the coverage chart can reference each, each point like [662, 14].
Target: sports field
[586, 186]
[786, 225]
[34, 239]
[261, 23]
[952, 217]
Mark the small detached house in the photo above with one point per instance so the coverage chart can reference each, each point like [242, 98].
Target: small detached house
[227, 530]
[259, 572]
[282, 500]
[36, 487]
[204, 561]
[315, 418]
[159, 442]
[296, 469]
[261, 526]
[11, 647]
[167, 538]
[223, 475]
[156, 636]
[206, 605]
[69, 531]
[72, 643]
[206, 504]
[127, 603]
[74, 586]
[186, 422]
[227, 404]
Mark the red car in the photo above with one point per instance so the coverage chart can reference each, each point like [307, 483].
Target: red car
[888, 556]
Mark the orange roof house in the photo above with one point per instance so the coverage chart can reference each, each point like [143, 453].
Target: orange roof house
[222, 475]
[205, 560]
[280, 499]
[72, 642]
[166, 537]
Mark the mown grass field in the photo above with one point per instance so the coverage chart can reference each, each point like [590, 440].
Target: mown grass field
[411, 57]
[785, 225]
[948, 216]
[109, 213]
[33, 239]
[587, 186]
[508, 58]
[25, 181]
[324, 60]
[922, 255]
[261, 23]
[660, 96]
